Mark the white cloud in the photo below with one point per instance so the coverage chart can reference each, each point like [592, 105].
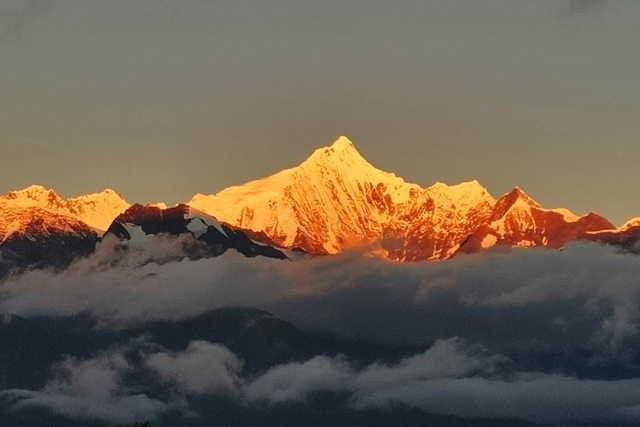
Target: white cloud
[293, 382]
[91, 389]
[453, 379]
[203, 368]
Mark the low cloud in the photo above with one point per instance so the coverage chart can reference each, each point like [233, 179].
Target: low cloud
[584, 296]
[295, 381]
[435, 381]
[551, 329]
[452, 378]
[91, 389]
[202, 369]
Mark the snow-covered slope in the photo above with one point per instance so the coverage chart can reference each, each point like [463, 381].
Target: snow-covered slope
[34, 223]
[96, 210]
[39, 228]
[336, 199]
[517, 220]
[319, 206]
[635, 222]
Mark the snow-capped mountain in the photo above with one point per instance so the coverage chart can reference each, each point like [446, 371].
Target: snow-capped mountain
[211, 238]
[96, 210]
[38, 228]
[517, 220]
[37, 237]
[626, 237]
[635, 222]
[34, 223]
[336, 199]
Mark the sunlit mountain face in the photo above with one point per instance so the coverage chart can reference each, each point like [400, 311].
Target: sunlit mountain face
[333, 202]
[312, 297]
[336, 199]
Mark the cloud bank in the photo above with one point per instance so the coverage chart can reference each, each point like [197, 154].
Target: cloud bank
[534, 334]
[586, 295]
[450, 378]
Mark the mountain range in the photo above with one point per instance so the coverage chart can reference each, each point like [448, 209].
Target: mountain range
[334, 201]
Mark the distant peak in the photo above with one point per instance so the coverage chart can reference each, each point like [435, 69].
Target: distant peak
[518, 194]
[470, 186]
[160, 205]
[106, 194]
[342, 151]
[343, 147]
[33, 192]
[33, 189]
[343, 143]
[635, 222]
[112, 193]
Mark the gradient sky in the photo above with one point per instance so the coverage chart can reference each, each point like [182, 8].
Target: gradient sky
[161, 99]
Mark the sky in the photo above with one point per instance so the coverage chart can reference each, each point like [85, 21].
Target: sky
[162, 99]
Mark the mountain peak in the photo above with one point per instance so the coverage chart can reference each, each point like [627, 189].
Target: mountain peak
[32, 196]
[518, 194]
[635, 222]
[343, 143]
[96, 210]
[342, 151]
[466, 192]
[33, 189]
[30, 191]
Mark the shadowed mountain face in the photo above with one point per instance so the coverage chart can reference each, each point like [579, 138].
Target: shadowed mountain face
[627, 238]
[517, 220]
[32, 347]
[259, 338]
[139, 222]
[34, 351]
[38, 238]
[35, 237]
[26, 352]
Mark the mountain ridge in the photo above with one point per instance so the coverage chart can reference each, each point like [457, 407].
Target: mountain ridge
[331, 202]
[97, 210]
[336, 198]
